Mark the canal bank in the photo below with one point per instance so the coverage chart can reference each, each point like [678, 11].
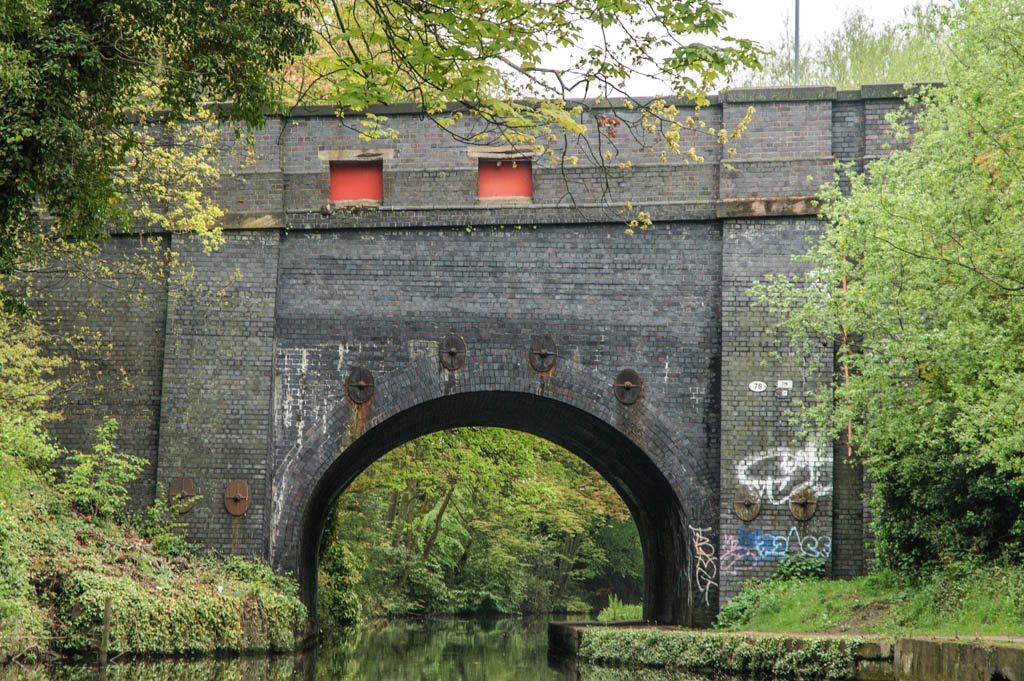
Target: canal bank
[853, 658]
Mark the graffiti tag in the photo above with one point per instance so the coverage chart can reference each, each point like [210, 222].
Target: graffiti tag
[778, 472]
[707, 567]
[761, 546]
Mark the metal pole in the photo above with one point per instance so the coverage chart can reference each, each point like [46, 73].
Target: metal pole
[796, 45]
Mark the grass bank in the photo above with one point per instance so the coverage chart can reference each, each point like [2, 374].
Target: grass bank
[58, 567]
[962, 599]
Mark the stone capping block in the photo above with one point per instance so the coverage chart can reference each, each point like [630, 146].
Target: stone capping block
[327, 110]
[726, 162]
[766, 207]
[779, 94]
[893, 90]
[356, 154]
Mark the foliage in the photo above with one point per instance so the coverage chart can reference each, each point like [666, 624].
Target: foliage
[473, 520]
[858, 53]
[27, 378]
[23, 624]
[514, 66]
[96, 482]
[806, 658]
[265, 668]
[23, 438]
[966, 598]
[337, 589]
[244, 618]
[57, 569]
[161, 522]
[75, 75]
[918, 279]
[799, 567]
[617, 611]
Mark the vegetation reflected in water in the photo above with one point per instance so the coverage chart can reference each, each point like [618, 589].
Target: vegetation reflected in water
[410, 650]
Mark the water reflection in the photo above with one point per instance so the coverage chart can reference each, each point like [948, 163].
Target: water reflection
[440, 650]
[414, 650]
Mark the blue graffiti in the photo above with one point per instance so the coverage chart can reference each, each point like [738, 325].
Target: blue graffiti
[761, 546]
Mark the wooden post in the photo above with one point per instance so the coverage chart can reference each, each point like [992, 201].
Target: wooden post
[105, 633]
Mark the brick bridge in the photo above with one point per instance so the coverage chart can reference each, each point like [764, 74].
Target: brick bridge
[248, 372]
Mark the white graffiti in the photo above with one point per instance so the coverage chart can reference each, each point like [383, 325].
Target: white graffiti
[707, 566]
[697, 394]
[778, 472]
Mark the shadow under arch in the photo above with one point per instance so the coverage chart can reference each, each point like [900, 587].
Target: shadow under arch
[665, 491]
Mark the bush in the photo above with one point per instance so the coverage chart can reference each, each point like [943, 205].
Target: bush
[337, 595]
[162, 525]
[799, 567]
[617, 611]
[96, 482]
[24, 439]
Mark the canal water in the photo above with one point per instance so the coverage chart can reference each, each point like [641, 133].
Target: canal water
[405, 650]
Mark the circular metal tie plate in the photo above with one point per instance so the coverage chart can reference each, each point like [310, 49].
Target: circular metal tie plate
[237, 498]
[359, 386]
[543, 353]
[181, 494]
[803, 503]
[628, 386]
[452, 352]
[747, 504]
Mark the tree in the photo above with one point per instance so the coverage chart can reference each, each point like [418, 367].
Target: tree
[858, 53]
[471, 520]
[75, 76]
[919, 280]
[483, 55]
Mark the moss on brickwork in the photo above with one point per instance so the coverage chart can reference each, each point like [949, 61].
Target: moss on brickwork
[807, 658]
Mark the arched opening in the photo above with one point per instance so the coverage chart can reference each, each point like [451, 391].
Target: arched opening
[486, 522]
[669, 591]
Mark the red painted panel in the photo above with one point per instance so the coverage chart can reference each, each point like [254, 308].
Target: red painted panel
[351, 180]
[505, 178]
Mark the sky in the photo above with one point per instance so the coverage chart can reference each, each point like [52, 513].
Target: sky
[767, 20]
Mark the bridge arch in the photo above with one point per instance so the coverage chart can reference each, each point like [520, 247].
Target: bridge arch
[667, 489]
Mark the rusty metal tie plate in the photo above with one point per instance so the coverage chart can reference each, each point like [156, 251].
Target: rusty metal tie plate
[452, 352]
[359, 386]
[181, 494]
[803, 503]
[237, 498]
[628, 386]
[543, 353]
[747, 504]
